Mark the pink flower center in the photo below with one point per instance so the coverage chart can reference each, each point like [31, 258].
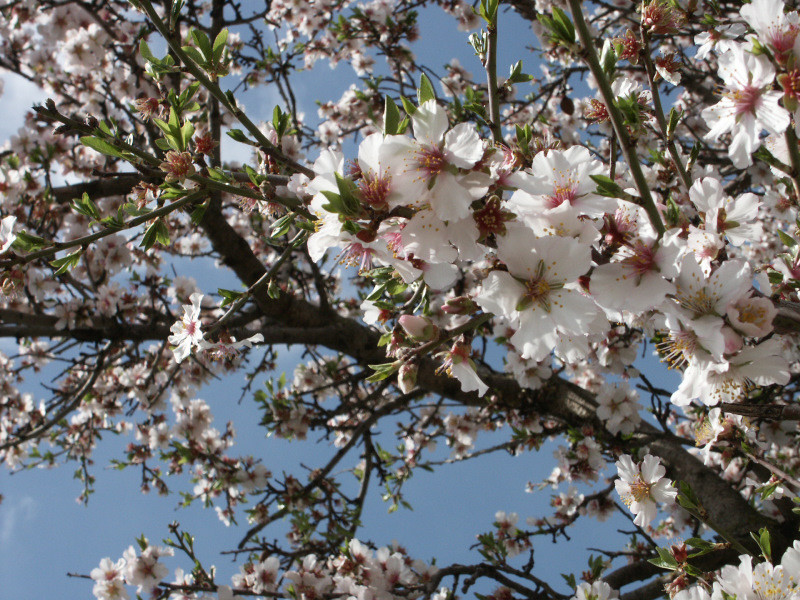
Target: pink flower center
[357, 255]
[641, 261]
[431, 160]
[563, 193]
[782, 41]
[640, 490]
[374, 190]
[746, 100]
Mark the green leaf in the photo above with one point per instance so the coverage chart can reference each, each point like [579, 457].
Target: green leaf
[674, 118]
[687, 498]
[67, 262]
[382, 371]
[787, 240]
[102, 146]
[144, 50]
[198, 213]
[665, 559]
[28, 242]
[391, 117]
[425, 91]
[408, 106]
[201, 41]
[219, 45]
[516, 75]
[194, 54]
[186, 134]
[229, 296]
[239, 136]
[86, 207]
[763, 541]
[350, 202]
[158, 232]
[610, 188]
[561, 18]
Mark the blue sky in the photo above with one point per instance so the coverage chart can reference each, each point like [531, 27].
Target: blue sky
[45, 534]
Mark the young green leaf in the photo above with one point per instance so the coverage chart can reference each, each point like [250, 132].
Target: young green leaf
[391, 117]
[158, 232]
[425, 91]
[67, 262]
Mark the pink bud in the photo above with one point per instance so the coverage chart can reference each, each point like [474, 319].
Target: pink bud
[463, 305]
[420, 329]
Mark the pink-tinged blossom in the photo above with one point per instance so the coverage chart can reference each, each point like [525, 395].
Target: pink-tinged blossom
[618, 408]
[775, 29]
[430, 168]
[7, 235]
[747, 107]
[431, 239]
[187, 333]
[227, 347]
[539, 292]
[457, 363]
[144, 570]
[733, 219]
[560, 177]
[636, 280]
[763, 581]
[642, 486]
[719, 40]
[697, 295]
[109, 583]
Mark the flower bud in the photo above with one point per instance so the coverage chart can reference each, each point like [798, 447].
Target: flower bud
[420, 329]
[462, 305]
[407, 377]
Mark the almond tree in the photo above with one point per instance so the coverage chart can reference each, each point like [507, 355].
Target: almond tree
[491, 257]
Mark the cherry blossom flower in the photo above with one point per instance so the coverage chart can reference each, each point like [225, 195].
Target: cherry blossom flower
[729, 381]
[642, 486]
[775, 28]
[618, 407]
[734, 219]
[538, 293]
[109, 583]
[186, 333]
[428, 168]
[144, 570]
[560, 177]
[637, 280]
[748, 107]
[598, 590]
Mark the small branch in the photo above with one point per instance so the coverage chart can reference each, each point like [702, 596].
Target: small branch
[770, 412]
[79, 394]
[491, 77]
[659, 113]
[262, 281]
[88, 239]
[626, 145]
